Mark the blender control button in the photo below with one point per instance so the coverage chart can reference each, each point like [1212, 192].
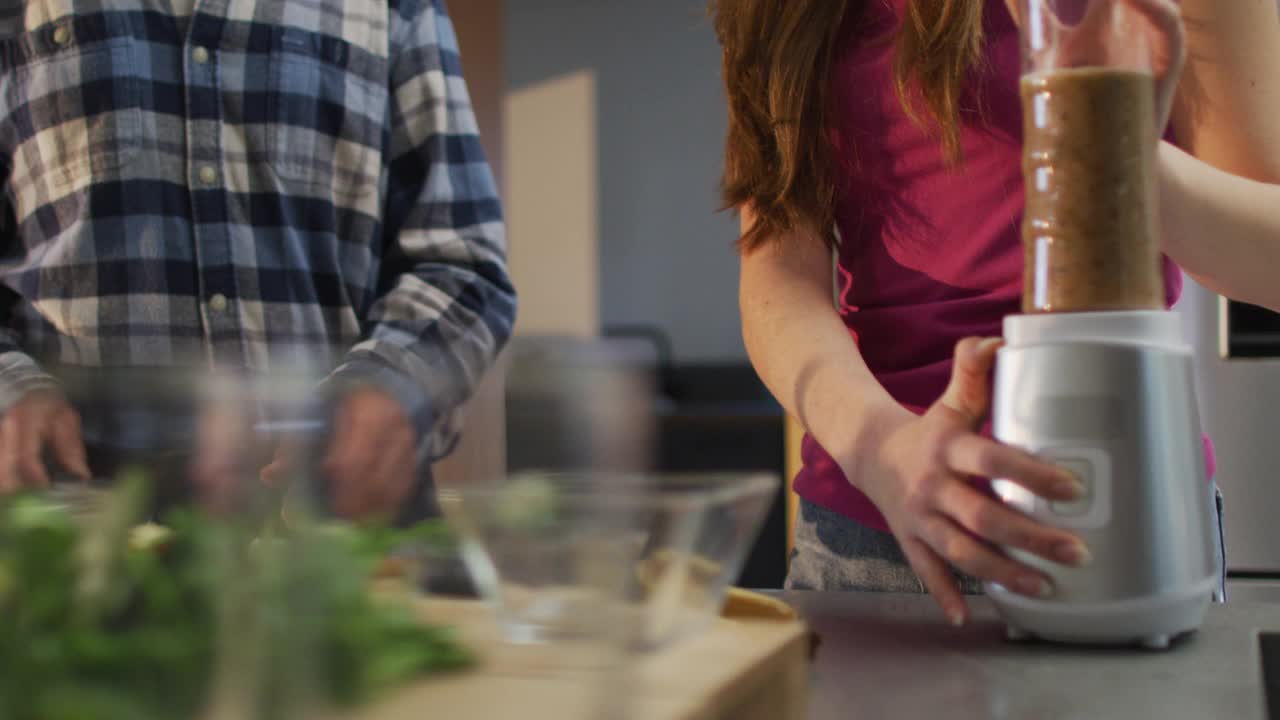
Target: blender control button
[1083, 470]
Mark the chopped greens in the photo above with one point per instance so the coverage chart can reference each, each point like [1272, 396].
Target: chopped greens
[528, 502]
[107, 618]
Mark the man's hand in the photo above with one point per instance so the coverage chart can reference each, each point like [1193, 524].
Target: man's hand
[371, 460]
[38, 421]
[372, 456]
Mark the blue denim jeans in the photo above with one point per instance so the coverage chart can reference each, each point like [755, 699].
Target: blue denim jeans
[1220, 547]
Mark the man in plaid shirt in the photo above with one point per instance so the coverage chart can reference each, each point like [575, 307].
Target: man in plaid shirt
[248, 185]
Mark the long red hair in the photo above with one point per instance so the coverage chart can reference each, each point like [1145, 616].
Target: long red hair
[778, 57]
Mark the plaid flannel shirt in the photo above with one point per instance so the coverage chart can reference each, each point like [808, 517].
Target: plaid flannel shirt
[261, 185]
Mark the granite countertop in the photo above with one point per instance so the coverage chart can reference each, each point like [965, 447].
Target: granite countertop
[890, 656]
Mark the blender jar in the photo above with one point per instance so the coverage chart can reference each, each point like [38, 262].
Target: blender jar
[1090, 231]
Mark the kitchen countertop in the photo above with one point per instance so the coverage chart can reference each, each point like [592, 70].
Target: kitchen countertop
[891, 656]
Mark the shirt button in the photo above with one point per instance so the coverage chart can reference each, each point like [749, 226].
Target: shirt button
[62, 35]
[218, 302]
[200, 55]
[208, 175]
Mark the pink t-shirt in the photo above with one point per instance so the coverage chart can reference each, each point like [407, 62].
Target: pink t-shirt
[929, 254]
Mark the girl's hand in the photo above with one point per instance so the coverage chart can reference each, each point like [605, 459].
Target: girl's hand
[918, 474]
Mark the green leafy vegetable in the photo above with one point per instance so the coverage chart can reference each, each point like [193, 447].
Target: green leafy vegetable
[100, 619]
[528, 502]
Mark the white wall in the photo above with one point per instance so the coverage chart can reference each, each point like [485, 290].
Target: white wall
[666, 257]
[553, 216]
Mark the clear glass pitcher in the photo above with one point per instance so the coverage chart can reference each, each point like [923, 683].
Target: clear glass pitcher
[1090, 231]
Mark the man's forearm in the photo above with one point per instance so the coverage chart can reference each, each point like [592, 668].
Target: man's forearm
[427, 356]
[1224, 230]
[448, 305]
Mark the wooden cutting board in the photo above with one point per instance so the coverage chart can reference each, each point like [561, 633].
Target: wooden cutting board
[735, 670]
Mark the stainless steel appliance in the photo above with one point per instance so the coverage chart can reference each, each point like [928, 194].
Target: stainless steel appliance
[1110, 396]
[1237, 362]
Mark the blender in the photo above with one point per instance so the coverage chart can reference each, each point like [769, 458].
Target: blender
[1095, 375]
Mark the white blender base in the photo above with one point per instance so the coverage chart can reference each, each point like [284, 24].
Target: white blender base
[1150, 622]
